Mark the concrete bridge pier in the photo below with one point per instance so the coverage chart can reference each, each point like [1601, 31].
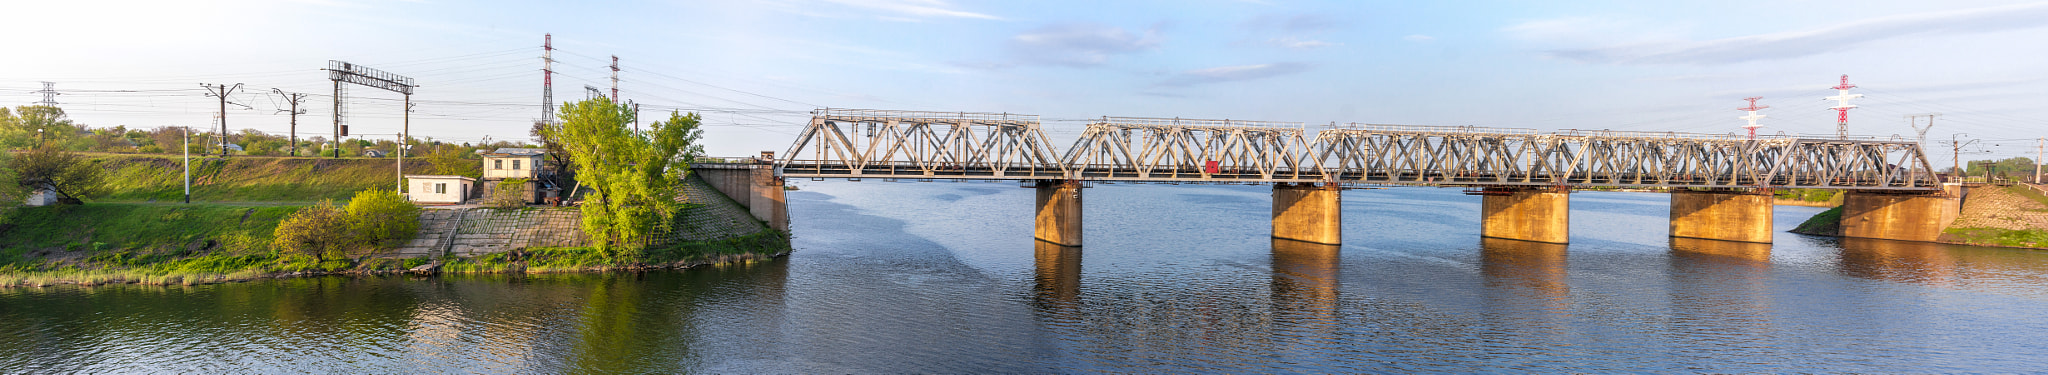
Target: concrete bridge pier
[1540, 214]
[1059, 212]
[1905, 216]
[1742, 215]
[1308, 212]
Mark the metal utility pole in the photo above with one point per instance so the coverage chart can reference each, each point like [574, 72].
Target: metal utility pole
[400, 149]
[1956, 155]
[188, 164]
[294, 99]
[340, 128]
[636, 116]
[1842, 106]
[2039, 145]
[49, 92]
[222, 91]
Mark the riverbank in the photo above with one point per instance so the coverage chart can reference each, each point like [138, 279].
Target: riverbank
[223, 268]
[187, 244]
[2000, 216]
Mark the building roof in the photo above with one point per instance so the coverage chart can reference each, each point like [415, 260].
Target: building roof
[437, 177]
[514, 151]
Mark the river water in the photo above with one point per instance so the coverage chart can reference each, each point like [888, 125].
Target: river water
[945, 277]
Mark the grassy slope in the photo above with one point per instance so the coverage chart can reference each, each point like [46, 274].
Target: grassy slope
[152, 243]
[1825, 223]
[136, 178]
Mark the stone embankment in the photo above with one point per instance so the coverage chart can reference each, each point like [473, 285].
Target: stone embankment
[469, 231]
[1998, 207]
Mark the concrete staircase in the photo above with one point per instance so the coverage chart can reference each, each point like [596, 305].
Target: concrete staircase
[470, 231]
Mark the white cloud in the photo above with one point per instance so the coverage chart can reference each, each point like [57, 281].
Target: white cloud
[918, 8]
[1295, 43]
[889, 10]
[1783, 45]
[1078, 45]
[1234, 73]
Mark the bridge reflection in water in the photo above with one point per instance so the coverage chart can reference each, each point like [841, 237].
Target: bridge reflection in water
[1528, 271]
[1057, 274]
[1722, 292]
[1305, 279]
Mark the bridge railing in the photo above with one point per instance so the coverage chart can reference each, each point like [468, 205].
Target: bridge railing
[1161, 122]
[848, 114]
[1433, 129]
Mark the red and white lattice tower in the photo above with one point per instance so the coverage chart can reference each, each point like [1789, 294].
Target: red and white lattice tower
[1752, 117]
[615, 78]
[1842, 106]
[547, 80]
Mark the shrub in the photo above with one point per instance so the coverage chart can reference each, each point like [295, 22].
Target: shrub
[383, 217]
[320, 231]
[508, 193]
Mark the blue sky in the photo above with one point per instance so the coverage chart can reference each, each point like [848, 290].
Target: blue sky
[755, 68]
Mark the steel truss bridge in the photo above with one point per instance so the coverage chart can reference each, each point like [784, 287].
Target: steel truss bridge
[851, 143]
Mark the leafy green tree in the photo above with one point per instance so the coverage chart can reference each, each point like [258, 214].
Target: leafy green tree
[633, 176]
[2016, 166]
[34, 125]
[11, 195]
[454, 161]
[72, 176]
[383, 218]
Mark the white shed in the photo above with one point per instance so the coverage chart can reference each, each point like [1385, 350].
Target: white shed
[439, 189]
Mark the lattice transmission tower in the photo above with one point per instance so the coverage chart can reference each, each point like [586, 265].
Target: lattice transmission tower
[1842, 106]
[49, 92]
[1752, 117]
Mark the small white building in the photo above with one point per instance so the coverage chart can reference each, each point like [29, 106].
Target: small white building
[513, 163]
[439, 189]
[43, 196]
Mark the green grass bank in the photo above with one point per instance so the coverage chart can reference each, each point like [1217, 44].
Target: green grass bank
[160, 178]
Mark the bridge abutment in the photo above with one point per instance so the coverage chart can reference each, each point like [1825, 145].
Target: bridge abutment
[1899, 216]
[1308, 213]
[754, 185]
[1526, 214]
[1059, 212]
[1727, 215]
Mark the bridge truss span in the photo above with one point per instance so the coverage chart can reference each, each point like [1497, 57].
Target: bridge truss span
[858, 143]
[842, 143]
[1146, 149]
